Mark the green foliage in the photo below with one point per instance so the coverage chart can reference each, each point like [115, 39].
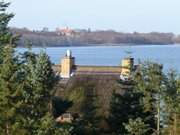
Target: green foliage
[136, 127]
[172, 104]
[150, 81]
[172, 93]
[87, 102]
[48, 126]
[90, 118]
[25, 92]
[60, 106]
[141, 99]
[25, 88]
[122, 108]
[11, 85]
[39, 81]
[10, 88]
[26, 103]
[149, 78]
[10, 91]
[5, 35]
[78, 97]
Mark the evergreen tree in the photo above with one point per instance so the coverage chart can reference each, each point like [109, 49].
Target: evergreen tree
[141, 99]
[25, 85]
[10, 93]
[89, 121]
[123, 107]
[10, 78]
[136, 127]
[172, 104]
[150, 81]
[48, 126]
[5, 36]
[39, 82]
[90, 115]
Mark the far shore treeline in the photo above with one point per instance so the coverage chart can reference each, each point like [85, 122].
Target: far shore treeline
[88, 37]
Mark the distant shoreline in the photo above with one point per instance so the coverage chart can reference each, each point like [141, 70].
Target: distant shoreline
[103, 45]
[74, 38]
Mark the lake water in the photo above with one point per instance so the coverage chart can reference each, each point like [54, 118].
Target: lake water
[168, 55]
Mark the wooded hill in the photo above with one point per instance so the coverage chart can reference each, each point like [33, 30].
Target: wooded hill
[87, 38]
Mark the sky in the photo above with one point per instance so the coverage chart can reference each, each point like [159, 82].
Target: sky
[119, 15]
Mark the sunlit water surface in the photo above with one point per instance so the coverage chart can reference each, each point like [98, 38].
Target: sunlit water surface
[168, 55]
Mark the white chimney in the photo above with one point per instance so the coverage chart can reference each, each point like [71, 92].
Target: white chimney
[68, 53]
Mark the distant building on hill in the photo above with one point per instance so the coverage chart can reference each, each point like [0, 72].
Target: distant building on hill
[65, 32]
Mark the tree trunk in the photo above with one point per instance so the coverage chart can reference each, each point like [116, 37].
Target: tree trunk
[7, 129]
[158, 116]
[175, 124]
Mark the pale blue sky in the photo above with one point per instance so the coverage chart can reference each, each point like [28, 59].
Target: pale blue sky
[120, 15]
